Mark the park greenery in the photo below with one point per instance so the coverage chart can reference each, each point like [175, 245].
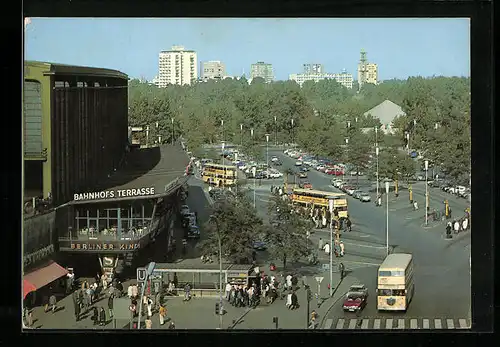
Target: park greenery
[315, 117]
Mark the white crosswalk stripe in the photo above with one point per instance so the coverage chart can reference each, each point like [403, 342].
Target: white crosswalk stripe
[328, 324]
[391, 323]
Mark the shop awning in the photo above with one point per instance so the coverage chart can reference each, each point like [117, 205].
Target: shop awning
[27, 288]
[42, 276]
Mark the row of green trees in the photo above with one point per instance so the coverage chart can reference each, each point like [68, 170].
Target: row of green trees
[316, 117]
[235, 224]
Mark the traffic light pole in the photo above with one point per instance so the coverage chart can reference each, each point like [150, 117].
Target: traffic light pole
[308, 293]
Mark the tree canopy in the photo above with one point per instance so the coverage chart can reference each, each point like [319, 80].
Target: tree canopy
[314, 116]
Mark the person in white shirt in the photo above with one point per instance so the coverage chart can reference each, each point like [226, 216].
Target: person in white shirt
[288, 300]
[341, 248]
[289, 281]
[326, 248]
[130, 292]
[228, 290]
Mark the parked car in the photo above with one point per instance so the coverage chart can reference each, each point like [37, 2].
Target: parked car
[185, 210]
[349, 190]
[356, 194]
[259, 245]
[365, 197]
[336, 182]
[193, 232]
[305, 185]
[298, 163]
[302, 174]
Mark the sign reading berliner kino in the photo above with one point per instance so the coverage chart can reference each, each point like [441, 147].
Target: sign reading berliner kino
[117, 193]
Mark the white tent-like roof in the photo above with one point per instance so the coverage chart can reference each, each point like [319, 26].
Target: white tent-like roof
[386, 112]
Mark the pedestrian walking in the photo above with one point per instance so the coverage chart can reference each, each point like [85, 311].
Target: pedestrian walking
[149, 323]
[29, 318]
[162, 312]
[187, 292]
[110, 305]
[171, 326]
[295, 301]
[349, 225]
[456, 226]
[320, 244]
[132, 308]
[53, 303]
[465, 223]
[289, 281]
[150, 307]
[95, 315]
[341, 245]
[102, 316]
[228, 290]
[77, 310]
[326, 248]
[130, 291]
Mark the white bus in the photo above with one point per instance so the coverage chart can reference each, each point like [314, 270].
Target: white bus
[395, 283]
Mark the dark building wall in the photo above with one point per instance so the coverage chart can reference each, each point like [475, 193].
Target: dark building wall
[89, 132]
[39, 232]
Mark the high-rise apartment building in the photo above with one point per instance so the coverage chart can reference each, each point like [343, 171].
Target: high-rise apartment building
[343, 78]
[313, 69]
[177, 66]
[367, 72]
[261, 69]
[212, 70]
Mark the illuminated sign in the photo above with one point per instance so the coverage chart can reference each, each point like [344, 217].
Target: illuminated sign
[38, 255]
[105, 246]
[118, 193]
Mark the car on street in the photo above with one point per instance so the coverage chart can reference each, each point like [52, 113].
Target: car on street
[355, 299]
[305, 168]
[274, 173]
[185, 210]
[303, 174]
[365, 197]
[298, 163]
[259, 245]
[193, 232]
[336, 182]
[277, 163]
[305, 185]
[349, 189]
[274, 158]
[357, 194]
[358, 288]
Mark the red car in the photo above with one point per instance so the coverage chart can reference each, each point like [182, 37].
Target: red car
[355, 301]
[305, 185]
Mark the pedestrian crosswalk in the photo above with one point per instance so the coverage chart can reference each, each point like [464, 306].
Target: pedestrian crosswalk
[395, 323]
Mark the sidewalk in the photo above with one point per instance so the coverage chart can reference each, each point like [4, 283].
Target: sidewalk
[262, 316]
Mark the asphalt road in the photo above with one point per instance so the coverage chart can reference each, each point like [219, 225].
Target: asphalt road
[442, 276]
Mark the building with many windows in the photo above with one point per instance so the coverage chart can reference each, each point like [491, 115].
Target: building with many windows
[264, 70]
[313, 69]
[343, 78]
[367, 72]
[177, 66]
[214, 69]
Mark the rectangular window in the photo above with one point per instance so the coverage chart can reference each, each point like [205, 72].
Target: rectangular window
[384, 273]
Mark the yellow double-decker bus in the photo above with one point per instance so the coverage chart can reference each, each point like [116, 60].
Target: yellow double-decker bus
[219, 175]
[320, 198]
[395, 284]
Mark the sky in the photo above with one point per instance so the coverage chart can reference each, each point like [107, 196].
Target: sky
[401, 47]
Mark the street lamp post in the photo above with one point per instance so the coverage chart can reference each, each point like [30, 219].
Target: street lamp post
[408, 141]
[267, 154]
[221, 309]
[293, 141]
[254, 171]
[387, 218]
[347, 154]
[241, 135]
[149, 271]
[426, 193]
[147, 136]
[173, 130]
[275, 131]
[376, 154]
[330, 206]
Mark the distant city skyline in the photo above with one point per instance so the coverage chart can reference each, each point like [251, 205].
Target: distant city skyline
[401, 47]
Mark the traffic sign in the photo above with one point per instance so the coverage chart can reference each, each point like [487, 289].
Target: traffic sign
[141, 274]
[319, 279]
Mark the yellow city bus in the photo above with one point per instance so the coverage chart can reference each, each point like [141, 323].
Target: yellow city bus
[320, 198]
[395, 284]
[219, 175]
